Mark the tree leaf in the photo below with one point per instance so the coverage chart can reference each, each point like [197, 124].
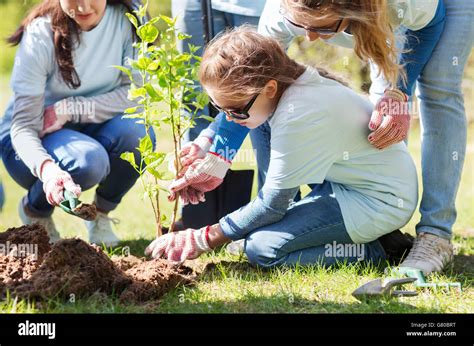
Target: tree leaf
[183, 37]
[148, 33]
[170, 21]
[163, 82]
[132, 19]
[153, 93]
[130, 158]
[124, 70]
[146, 145]
[131, 110]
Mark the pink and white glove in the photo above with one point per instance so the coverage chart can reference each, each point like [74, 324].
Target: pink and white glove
[194, 150]
[390, 120]
[202, 175]
[55, 181]
[55, 118]
[189, 195]
[180, 246]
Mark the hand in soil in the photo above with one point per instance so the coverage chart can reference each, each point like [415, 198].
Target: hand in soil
[180, 246]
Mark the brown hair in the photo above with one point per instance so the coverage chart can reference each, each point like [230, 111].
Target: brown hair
[370, 26]
[66, 33]
[240, 62]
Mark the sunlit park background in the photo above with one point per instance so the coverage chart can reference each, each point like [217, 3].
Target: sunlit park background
[237, 287]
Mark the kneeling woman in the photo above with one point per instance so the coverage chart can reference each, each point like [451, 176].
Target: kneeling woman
[317, 135]
[63, 128]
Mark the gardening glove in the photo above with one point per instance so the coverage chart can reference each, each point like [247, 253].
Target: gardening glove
[202, 175]
[194, 150]
[180, 246]
[189, 195]
[390, 120]
[55, 118]
[55, 181]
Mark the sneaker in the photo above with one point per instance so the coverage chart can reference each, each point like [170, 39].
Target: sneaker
[430, 253]
[236, 248]
[397, 245]
[46, 222]
[100, 230]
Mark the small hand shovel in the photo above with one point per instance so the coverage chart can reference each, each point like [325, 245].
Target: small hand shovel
[72, 205]
[384, 289]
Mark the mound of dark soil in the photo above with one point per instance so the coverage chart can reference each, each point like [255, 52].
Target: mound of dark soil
[73, 267]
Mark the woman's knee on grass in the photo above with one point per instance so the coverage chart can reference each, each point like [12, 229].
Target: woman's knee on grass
[263, 249]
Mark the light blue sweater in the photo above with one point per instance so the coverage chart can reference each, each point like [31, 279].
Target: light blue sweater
[36, 80]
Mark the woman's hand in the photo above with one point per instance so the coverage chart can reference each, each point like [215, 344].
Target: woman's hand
[54, 120]
[194, 150]
[202, 175]
[180, 246]
[55, 181]
[390, 120]
[190, 195]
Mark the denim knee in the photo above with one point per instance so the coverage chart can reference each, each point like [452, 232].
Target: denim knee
[130, 133]
[89, 166]
[260, 252]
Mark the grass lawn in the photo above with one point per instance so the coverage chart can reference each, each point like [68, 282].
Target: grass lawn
[232, 286]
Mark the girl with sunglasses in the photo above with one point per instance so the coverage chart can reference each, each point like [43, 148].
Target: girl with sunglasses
[318, 131]
[408, 42]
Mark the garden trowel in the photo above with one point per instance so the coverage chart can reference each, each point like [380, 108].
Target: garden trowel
[72, 205]
[399, 276]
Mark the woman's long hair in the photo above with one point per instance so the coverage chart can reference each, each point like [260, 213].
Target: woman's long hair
[66, 34]
[370, 26]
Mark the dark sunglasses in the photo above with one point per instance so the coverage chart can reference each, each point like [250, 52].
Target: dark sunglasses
[320, 31]
[236, 114]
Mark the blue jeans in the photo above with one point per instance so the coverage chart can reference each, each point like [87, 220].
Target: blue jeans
[311, 232]
[190, 22]
[2, 196]
[443, 119]
[91, 154]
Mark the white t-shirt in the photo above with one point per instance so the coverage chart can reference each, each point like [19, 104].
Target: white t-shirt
[319, 132]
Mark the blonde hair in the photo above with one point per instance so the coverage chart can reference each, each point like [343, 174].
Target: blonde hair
[370, 26]
[240, 62]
